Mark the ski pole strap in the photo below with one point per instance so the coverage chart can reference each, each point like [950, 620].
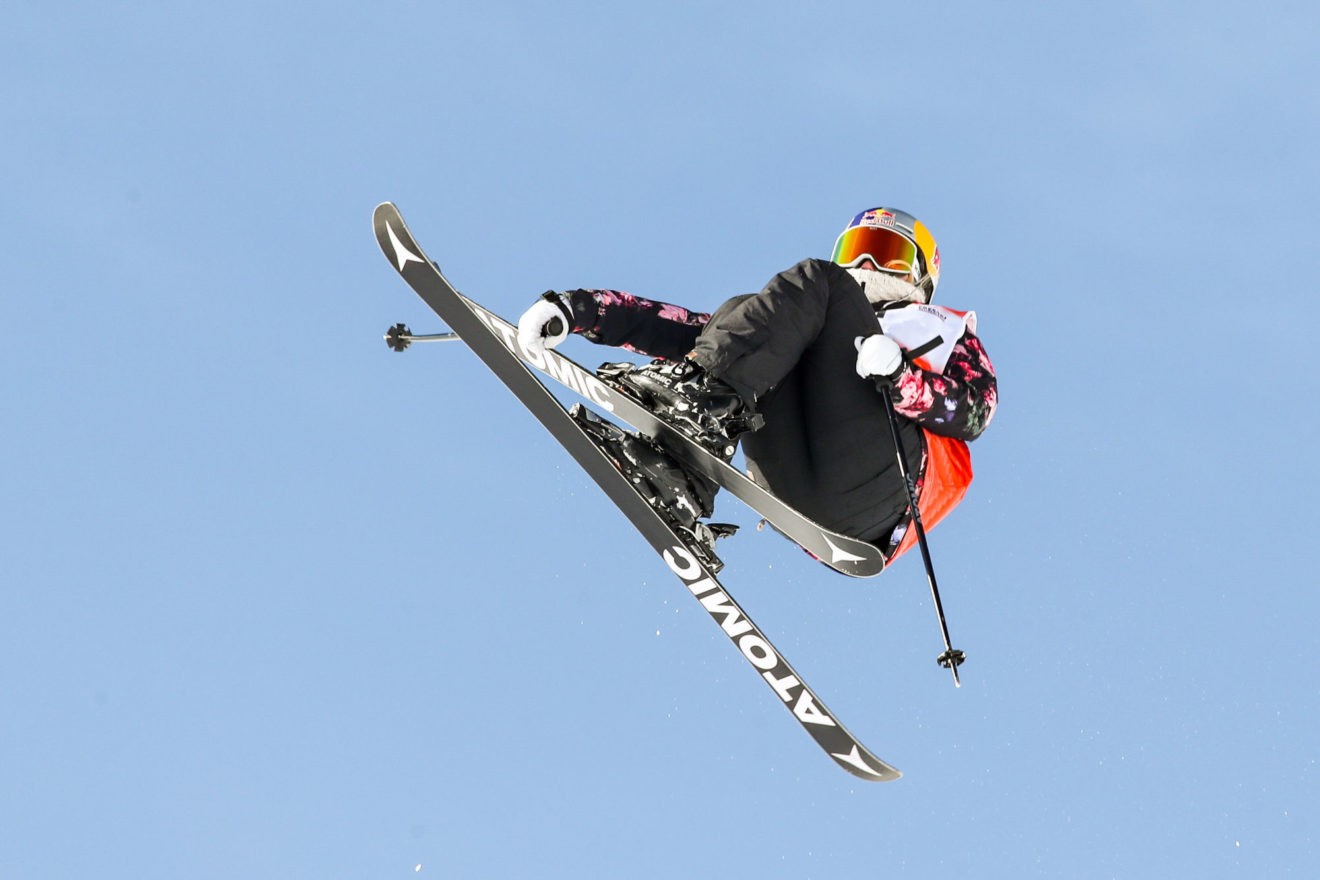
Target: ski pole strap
[925, 348]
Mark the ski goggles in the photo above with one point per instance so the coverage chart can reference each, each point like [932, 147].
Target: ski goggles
[886, 248]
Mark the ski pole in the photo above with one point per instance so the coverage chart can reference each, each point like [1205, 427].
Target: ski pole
[400, 337]
[951, 659]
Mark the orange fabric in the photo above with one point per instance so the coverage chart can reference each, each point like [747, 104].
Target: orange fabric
[948, 474]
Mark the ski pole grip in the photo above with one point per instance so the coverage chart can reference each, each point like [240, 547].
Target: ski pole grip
[556, 326]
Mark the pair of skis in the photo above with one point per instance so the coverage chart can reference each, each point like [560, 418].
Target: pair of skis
[494, 340]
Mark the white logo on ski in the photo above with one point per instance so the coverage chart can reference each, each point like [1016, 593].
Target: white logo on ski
[401, 253]
[841, 555]
[854, 759]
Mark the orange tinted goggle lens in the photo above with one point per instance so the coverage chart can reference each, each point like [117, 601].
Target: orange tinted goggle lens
[887, 248]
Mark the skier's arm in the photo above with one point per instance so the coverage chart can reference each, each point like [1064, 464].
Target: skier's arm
[654, 329]
[956, 403]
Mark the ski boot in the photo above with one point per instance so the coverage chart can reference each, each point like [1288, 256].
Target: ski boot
[708, 410]
[677, 494]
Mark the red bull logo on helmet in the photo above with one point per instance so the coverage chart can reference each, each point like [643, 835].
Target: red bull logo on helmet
[877, 218]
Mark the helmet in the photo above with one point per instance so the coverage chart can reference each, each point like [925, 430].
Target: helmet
[895, 242]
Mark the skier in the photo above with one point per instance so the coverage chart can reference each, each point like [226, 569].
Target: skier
[794, 373]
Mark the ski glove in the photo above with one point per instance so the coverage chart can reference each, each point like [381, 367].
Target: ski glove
[878, 357]
[545, 324]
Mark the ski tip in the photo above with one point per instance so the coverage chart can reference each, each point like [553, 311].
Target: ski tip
[384, 212]
[865, 766]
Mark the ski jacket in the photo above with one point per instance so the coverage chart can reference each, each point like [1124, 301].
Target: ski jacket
[815, 405]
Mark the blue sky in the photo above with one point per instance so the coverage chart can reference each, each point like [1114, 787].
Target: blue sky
[277, 602]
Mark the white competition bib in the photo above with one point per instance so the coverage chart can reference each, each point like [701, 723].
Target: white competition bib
[927, 333]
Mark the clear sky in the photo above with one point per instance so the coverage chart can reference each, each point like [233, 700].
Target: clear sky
[278, 602]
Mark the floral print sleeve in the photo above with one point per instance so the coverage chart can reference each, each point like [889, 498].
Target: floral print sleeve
[654, 329]
[956, 403]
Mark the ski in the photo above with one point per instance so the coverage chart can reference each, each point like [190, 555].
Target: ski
[680, 552]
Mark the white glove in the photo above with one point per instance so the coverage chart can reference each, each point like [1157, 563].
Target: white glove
[545, 324]
[879, 357]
